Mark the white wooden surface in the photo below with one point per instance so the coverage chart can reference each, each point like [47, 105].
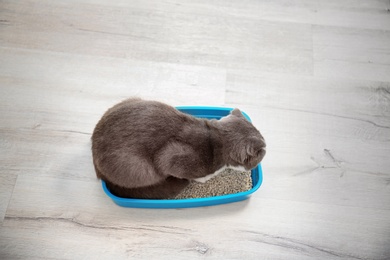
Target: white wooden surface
[313, 75]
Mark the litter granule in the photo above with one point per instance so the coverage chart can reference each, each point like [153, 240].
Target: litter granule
[228, 182]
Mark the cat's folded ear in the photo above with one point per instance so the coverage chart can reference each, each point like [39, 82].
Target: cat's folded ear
[239, 153]
[236, 112]
[247, 150]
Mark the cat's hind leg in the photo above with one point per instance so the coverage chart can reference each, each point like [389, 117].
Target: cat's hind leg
[166, 189]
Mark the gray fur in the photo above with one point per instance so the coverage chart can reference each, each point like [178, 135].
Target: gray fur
[147, 149]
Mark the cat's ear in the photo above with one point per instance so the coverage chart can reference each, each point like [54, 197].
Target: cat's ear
[242, 151]
[236, 112]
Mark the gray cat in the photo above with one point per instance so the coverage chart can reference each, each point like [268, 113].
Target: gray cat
[147, 149]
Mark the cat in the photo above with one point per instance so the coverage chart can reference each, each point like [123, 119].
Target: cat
[150, 150]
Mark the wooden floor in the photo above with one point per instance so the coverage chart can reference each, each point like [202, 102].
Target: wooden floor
[313, 75]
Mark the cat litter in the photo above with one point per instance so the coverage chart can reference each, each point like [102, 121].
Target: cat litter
[228, 182]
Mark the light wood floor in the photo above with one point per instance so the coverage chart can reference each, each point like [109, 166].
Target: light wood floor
[313, 75]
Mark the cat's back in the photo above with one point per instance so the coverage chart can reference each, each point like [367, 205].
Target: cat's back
[140, 123]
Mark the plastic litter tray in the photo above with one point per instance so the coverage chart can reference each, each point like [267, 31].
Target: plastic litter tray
[201, 112]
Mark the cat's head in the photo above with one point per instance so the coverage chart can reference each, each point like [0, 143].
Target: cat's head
[245, 145]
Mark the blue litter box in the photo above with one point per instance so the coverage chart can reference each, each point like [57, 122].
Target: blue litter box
[201, 112]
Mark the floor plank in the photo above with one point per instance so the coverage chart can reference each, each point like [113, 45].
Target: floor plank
[162, 36]
[88, 215]
[69, 80]
[351, 53]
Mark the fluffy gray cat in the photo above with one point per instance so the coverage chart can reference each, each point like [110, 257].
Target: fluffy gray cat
[147, 149]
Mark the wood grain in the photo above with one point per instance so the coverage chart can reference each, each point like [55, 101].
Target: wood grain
[151, 35]
[313, 76]
[7, 183]
[68, 208]
[352, 53]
